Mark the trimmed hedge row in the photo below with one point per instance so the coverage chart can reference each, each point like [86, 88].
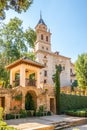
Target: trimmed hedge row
[24, 114]
[70, 102]
[79, 113]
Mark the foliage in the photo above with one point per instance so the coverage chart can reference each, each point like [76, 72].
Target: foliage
[40, 111]
[48, 113]
[14, 44]
[32, 76]
[3, 126]
[16, 5]
[18, 97]
[30, 36]
[69, 102]
[81, 70]
[56, 78]
[78, 112]
[41, 108]
[1, 113]
[74, 84]
[29, 103]
[30, 55]
[23, 113]
[2, 123]
[9, 116]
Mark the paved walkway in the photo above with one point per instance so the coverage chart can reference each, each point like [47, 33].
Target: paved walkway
[38, 122]
[82, 127]
[28, 123]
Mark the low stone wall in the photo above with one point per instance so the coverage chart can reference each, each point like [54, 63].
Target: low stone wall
[79, 122]
[45, 128]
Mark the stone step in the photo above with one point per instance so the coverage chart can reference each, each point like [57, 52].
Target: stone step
[60, 123]
[62, 127]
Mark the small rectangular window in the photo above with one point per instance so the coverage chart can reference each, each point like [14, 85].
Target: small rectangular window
[45, 81]
[45, 73]
[70, 70]
[41, 36]
[63, 67]
[46, 48]
[71, 80]
[47, 38]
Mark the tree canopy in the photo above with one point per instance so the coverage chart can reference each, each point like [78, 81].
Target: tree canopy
[81, 70]
[14, 44]
[16, 5]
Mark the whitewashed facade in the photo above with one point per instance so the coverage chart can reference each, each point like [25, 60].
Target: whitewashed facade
[50, 59]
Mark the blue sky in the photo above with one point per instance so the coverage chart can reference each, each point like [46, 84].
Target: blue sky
[67, 20]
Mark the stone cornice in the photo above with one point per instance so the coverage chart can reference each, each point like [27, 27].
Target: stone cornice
[42, 42]
[53, 54]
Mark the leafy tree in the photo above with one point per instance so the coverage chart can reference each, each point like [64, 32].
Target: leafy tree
[74, 84]
[14, 43]
[56, 78]
[81, 70]
[17, 5]
[30, 36]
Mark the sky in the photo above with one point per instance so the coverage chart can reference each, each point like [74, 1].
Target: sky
[66, 19]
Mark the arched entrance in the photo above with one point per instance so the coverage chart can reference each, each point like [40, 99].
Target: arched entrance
[30, 100]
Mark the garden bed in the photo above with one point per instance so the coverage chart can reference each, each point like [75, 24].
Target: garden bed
[78, 112]
[28, 113]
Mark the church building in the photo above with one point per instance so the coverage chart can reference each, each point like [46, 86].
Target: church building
[50, 59]
[33, 79]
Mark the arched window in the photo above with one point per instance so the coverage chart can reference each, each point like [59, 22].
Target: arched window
[45, 56]
[47, 38]
[47, 48]
[41, 36]
[45, 81]
[63, 67]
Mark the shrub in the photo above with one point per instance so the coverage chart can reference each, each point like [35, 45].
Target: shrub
[79, 112]
[38, 114]
[70, 102]
[23, 113]
[48, 113]
[1, 113]
[29, 114]
[9, 116]
[2, 123]
[41, 108]
[3, 126]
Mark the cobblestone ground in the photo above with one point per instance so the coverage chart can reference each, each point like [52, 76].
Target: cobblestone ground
[82, 127]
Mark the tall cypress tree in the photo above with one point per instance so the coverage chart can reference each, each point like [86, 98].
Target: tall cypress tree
[56, 78]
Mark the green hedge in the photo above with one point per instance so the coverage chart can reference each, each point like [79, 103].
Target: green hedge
[79, 112]
[69, 102]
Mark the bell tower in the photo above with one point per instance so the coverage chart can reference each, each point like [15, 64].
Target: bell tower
[43, 48]
[43, 42]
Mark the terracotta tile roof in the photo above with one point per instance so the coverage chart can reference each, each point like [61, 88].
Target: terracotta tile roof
[24, 60]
